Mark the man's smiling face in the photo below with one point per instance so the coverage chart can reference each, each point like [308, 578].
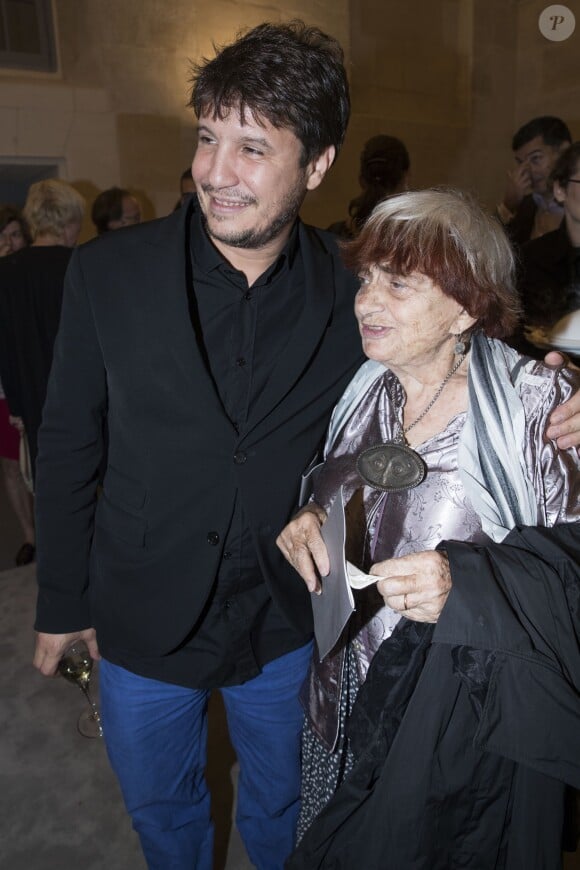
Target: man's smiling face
[249, 179]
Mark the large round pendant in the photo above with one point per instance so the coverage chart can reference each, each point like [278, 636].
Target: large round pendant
[391, 467]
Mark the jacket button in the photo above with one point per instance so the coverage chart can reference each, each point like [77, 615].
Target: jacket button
[240, 457]
[213, 538]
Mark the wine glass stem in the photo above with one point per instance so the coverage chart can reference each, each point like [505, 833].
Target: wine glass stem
[93, 706]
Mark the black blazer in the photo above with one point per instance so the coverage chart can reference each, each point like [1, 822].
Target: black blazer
[139, 564]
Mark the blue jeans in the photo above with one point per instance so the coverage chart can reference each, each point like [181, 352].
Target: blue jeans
[156, 735]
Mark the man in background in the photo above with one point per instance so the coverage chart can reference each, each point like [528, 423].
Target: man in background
[528, 209]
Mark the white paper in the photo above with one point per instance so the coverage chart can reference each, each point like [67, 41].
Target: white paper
[333, 607]
[358, 579]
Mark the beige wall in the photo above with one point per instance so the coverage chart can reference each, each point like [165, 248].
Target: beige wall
[547, 73]
[116, 111]
[410, 77]
[452, 78]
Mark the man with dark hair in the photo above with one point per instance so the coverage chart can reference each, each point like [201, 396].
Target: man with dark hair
[214, 344]
[249, 78]
[528, 209]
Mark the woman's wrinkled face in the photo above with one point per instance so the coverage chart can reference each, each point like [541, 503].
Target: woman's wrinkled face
[404, 319]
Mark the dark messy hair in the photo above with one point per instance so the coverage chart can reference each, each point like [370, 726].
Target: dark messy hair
[552, 130]
[567, 165]
[291, 75]
[107, 207]
[384, 163]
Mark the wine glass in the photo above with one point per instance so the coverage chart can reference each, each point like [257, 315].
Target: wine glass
[76, 666]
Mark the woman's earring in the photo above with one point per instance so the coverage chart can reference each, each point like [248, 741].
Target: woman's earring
[460, 344]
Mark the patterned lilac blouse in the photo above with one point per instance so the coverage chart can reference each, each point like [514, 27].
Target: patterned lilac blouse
[382, 525]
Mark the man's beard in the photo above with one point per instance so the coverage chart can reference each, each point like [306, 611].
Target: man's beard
[254, 238]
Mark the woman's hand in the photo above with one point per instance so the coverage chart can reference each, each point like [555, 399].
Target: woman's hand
[302, 545]
[416, 585]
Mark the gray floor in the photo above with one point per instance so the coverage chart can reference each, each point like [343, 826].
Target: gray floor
[59, 803]
[60, 806]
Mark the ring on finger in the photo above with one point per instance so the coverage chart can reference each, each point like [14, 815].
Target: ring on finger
[405, 602]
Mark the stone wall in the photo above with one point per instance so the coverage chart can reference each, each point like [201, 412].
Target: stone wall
[115, 113]
[452, 78]
[547, 73]
[411, 77]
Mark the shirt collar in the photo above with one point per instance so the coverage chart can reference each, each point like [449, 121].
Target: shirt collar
[207, 257]
[552, 207]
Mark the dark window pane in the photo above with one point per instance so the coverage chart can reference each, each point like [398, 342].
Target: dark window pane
[3, 45]
[27, 35]
[22, 24]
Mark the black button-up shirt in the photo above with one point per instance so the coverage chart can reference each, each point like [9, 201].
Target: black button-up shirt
[244, 331]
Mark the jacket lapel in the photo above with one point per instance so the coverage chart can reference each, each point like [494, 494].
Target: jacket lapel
[168, 273]
[315, 317]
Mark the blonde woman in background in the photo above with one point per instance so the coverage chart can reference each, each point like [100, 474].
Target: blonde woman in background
[31, 285]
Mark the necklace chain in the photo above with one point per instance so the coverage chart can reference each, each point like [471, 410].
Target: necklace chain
[440, 389]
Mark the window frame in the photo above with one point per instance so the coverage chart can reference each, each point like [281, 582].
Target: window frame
[46, 59]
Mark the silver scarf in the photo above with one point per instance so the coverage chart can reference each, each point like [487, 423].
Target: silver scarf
[491, 446]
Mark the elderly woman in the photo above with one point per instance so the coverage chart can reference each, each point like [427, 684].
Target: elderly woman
[442, 437]
[31, 286]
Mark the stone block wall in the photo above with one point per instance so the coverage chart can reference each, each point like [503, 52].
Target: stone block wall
[115, 113]
[452, 78]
